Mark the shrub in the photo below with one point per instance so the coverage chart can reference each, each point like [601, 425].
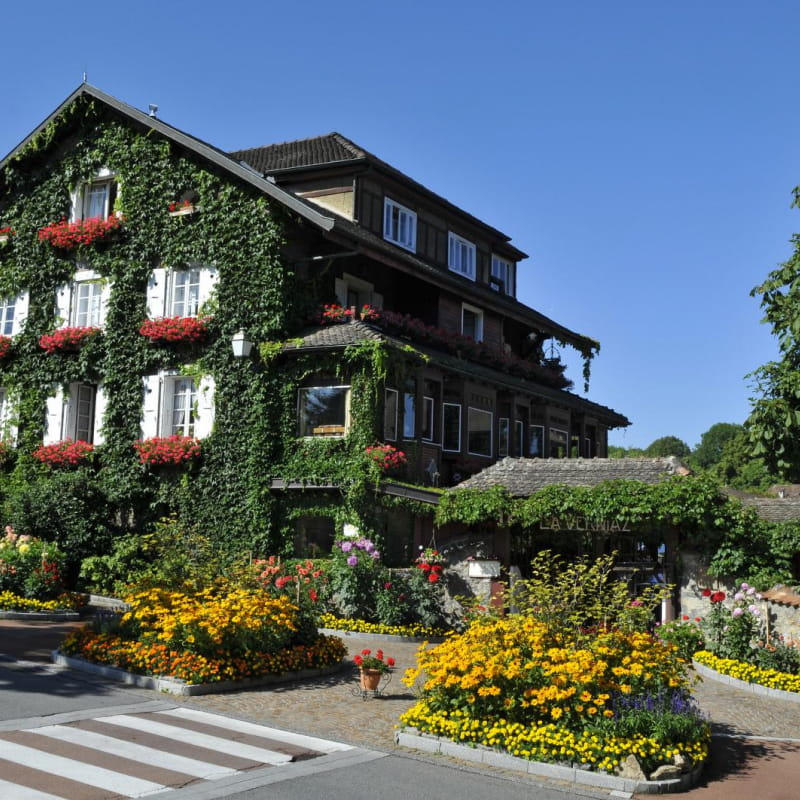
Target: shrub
[30, 568]
[684, 633]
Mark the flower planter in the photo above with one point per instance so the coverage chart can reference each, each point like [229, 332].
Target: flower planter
[370, 679]
[70, 235]
[176, 210]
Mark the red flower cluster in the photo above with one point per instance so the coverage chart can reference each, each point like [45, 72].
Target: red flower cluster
[66, 339]
[162, 450]
[67, 453]
[714, 597]
[69, 235]
[175, 330]
[386, 456]
[184, 205]
[368, 661]
[432, 563]
[6, 232]
[5, 346]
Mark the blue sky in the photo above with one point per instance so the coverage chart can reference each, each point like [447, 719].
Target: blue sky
[643, 154]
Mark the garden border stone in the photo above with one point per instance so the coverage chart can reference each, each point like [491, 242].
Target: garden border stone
[745, 686]
[175, 686]
[41, 616]
[440, 745]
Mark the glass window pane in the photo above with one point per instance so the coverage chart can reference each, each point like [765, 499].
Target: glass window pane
[558, 443]
[7, 317]
[503, 437]
[480, 432]
[95, 204]
[409, 415]
[427, 419]
[183, 401]
[390, 415]
[536, 441]
[451, 427]
[323, 410]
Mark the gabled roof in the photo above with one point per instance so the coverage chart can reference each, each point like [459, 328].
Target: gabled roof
[524, 476]
[770, 509]
[191, 143]
[332, 150]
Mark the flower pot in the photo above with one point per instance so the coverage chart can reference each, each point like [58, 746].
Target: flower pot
[370, 678]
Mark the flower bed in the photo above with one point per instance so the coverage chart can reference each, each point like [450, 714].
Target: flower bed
[167, 450]
[69, 235]
[175, 330]
[543, 694]
[207, 636]
[67, 453]
[68, 601]
[67, 340]
[771, 678]
[332, 622]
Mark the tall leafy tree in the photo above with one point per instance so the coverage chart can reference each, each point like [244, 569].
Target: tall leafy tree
[774, 422]
[712, 442]
[668, 446]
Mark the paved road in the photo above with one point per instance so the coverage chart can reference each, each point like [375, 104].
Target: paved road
[756, 746]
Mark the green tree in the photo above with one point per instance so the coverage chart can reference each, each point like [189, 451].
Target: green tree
[774, 421]
[667, 446]
[622, 452]
[709, 452]
[739, 468]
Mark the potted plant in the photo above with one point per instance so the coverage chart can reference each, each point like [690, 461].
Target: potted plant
[371, 668]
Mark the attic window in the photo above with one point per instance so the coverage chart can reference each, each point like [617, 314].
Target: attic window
[502, 278]
[461, 256]
[96, 198]
[399, 225]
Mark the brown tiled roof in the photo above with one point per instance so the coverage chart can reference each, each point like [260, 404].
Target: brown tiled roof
[784, 595]
[317, 150]
[771, 509]
[524, 476]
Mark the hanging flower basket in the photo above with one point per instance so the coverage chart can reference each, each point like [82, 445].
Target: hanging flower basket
[167, 450]
[69, 235]
[67, 453]
[5, 346]
[183, 208]
[67, 340]
[175, 330]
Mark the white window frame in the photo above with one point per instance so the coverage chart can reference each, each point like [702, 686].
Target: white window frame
[480, 411]
[399, 225]
[389, 425]
[187, 279]
[446, 406]
[187, 391]
[81, 208]
[502, 273]
[337, 431]
[466, 308]
[461, 255]
[503, 437]
[8, 308]
[92, 317]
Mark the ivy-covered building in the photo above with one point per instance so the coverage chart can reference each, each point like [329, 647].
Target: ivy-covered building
[389, 340]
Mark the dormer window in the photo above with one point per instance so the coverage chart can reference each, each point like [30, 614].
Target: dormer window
[461, 256]
[502, 278]
[399, 225]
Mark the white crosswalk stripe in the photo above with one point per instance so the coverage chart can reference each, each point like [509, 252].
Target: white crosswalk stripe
[138, 754]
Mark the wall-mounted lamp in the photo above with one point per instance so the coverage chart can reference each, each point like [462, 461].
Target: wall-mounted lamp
[241, 345]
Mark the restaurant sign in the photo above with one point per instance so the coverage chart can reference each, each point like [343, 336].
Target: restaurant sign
[575, 523]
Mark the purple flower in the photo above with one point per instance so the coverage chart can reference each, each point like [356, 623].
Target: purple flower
[346, 547]
[352, 561]
[738, 596]
[375, 554]
[737, 612]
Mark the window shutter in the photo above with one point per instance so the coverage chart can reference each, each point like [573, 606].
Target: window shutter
[150, 405]
[20, 310]
[70, 406]
[208, 280]
[54, 418]
[63, 302]
[99, 413]
[156, 293]
[204, 421]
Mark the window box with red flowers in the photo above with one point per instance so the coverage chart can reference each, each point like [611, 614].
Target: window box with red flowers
[67, 340]
[386, 457]
[183, 208]
[70, 235]
[5, 235]
[67, 453]
[5, 347]
[175, 330]
[167, 450]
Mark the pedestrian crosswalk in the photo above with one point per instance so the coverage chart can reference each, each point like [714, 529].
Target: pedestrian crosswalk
[142, 754]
